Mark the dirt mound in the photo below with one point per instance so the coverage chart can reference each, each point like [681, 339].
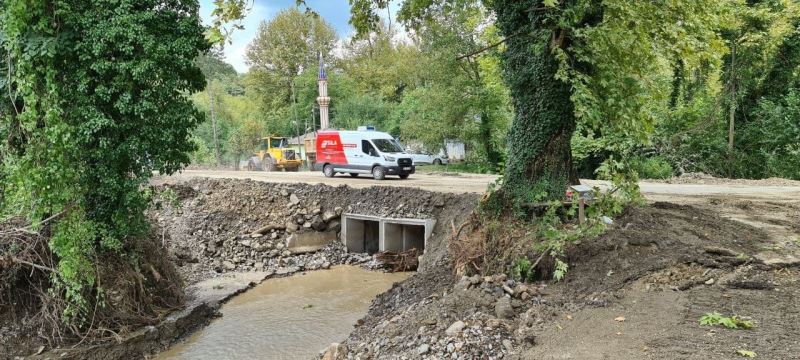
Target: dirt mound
[702, 178]
[638, 291]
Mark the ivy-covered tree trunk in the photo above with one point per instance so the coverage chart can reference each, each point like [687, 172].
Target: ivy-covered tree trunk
[539, 164]
[487, 142]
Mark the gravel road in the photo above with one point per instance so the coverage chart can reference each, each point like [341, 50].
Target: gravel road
[475, 183]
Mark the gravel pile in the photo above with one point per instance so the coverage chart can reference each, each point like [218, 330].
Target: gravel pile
[215, 226]
[476, 318]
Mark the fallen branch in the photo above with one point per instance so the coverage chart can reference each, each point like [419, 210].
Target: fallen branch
[269, 228]
[36, 266]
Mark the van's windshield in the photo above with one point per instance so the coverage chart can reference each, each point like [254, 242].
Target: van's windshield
[387, 145]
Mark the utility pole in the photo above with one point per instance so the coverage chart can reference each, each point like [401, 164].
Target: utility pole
[294, 109]
[731, 121]
[213, 125]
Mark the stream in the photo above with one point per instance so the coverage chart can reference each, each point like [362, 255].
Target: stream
[294, 317]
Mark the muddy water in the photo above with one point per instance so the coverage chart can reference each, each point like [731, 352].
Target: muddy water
[287, 318]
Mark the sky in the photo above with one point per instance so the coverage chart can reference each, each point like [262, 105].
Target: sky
[335, 12]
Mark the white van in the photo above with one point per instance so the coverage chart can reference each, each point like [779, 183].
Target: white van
[361, 152]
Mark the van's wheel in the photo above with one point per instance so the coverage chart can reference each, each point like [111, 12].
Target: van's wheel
[378, 173]
[354, 174]
[404, 176]
[328, 170]
[437, 162]
[269, 164]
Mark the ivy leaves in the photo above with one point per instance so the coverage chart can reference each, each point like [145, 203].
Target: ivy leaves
[101, 103]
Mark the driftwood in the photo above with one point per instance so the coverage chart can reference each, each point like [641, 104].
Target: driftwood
[403, 261]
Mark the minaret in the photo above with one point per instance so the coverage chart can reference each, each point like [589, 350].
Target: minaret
[323, 98]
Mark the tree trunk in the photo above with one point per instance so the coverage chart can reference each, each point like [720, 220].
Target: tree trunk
[539, 163]
[732, 113]
[485, 130]
[213, 125]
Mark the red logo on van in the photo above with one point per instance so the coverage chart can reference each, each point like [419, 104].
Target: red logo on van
[327, 143]
[329, 148]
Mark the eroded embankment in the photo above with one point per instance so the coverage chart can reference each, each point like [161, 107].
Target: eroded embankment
[210, 226]
[225, 236]
[636, 292]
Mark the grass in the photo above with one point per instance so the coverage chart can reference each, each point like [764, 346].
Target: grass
[460, 167]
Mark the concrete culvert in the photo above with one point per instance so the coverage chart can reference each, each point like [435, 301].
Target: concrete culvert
[366, 233]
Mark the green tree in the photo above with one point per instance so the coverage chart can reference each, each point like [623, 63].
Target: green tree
[285, 46]
[354, 111]
[479, 107]
[578, 60]
[98, 91]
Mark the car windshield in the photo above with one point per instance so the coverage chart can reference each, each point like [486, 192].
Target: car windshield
[387, 145]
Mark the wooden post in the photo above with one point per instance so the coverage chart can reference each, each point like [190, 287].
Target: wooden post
[581, 213]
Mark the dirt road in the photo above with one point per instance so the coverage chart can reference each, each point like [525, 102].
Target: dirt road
[475, 183]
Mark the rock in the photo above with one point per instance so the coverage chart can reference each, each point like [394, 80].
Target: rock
[334, 351]
[455, 328]
[462, 284]
[499, 278]
[291, 227]
[508, 345]
[423, 349]
[503, 309]
[335, 225]
[294, 199]
[526, 335]
[246, 243]
[328, 215]
[317, 223]
[508, 290]
[475, 280]
[307, 225]
[607, 220]
[778, 262]
[228, 265]
[710, 281]
[492, 323]
[714, 250]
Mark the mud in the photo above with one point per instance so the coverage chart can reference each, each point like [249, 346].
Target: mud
[636, 292]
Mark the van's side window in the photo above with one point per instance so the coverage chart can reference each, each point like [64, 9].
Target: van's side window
[368, 149]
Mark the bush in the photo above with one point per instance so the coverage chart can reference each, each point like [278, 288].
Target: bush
[655, 167]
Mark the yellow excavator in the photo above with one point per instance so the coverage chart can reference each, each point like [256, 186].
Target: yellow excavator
[274, 154]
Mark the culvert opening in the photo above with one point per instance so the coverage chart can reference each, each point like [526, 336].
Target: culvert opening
[362, 235]
[365, 233]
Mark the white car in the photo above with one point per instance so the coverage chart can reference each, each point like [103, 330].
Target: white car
[426, 158]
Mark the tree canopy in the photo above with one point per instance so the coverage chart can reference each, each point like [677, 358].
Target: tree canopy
[96, 101]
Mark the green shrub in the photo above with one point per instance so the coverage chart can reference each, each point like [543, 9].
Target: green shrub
[655, 167]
